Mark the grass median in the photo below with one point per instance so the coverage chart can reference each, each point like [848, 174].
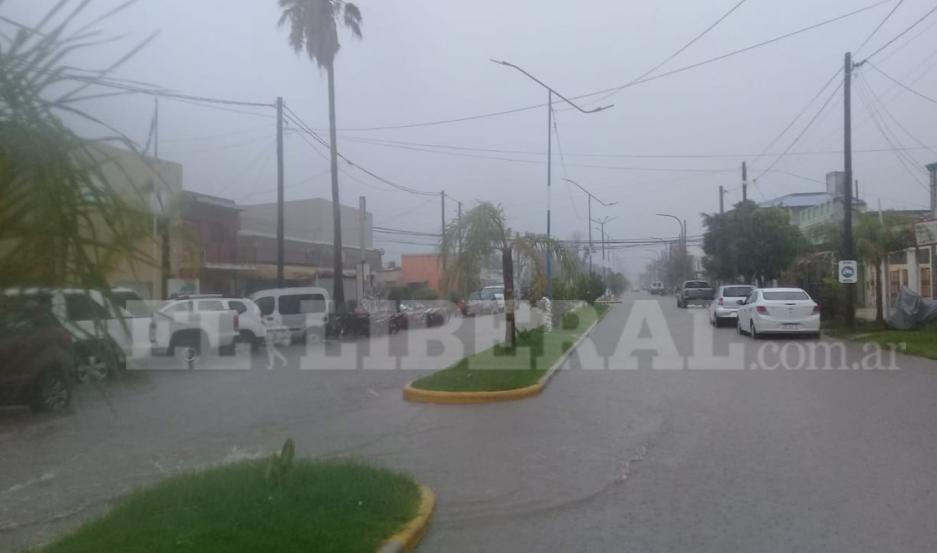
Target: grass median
[322, 506]
[504, 368]
[921, 342]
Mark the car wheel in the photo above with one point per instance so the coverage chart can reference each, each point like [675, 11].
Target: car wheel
[52, 392]
[738, 327]
[753, 332]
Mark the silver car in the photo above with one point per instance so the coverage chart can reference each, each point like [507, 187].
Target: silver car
[726, 302]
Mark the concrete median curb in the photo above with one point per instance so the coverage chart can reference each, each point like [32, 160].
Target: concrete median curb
[420, 395]
[411, 534]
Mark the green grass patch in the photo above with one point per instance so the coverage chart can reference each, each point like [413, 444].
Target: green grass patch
[322, 506]
[504, 368]
[921, 342]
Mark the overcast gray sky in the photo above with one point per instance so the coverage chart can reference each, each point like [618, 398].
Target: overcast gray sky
[427, 60]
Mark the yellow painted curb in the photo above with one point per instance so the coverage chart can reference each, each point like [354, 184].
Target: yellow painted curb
[411, 534]
[420, 395]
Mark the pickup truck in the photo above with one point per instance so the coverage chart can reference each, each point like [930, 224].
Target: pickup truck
[694, 291]
[183, 324]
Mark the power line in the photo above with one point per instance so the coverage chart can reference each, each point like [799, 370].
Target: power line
[682, 49]
[902, 33]
[631, 83]
[425, 145]
[308, 130]
[881, 105]
[803, 131]
[880, 25]
[901, 84]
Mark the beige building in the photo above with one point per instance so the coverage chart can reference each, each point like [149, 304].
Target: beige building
[153, 188]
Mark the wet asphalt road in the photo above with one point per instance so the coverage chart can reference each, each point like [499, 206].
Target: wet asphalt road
[676, 452]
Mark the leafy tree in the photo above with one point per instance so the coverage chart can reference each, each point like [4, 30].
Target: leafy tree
[617, 283]
[751, 242]
[314, 28]
[484, 231]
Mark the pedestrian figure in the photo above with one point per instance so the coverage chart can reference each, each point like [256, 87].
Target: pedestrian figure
[273, 352]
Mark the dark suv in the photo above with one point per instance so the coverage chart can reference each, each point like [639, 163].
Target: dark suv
[36, 357]
[694, 291]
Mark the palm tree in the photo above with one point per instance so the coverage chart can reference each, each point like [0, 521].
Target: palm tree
[876, 237]
[484, 232]
[314, 28]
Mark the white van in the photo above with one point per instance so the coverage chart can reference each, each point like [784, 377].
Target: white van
[305, 311]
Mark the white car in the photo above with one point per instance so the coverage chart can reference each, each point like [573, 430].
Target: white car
[251, 328]
[196, 324]
[726, 303]
[779, 311]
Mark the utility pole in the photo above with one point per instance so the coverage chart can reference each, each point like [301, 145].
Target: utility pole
[280, 236]
[590, 234]
[442, 203]
[744, 181]
[362, 229]
[156, 127]
[549, 189]
[460, 226]
[847, 251]
[722, 193]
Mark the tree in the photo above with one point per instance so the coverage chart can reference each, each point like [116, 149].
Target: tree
[876, 236]
[484, 231]
[314, 28]
[617, 283]
[62, 221]
[749, 241]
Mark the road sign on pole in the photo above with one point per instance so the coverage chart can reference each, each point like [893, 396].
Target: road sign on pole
[848, 272]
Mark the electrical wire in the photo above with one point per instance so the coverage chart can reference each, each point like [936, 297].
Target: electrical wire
[901, 84]
[308, 130]
[630, 83]
[902, 33]
[880, 25]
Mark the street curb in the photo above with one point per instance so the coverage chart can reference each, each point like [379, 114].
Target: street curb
[411, 534]
[419, 395]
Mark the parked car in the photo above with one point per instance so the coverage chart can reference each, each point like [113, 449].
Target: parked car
[36, 356]
[779, 311]
[103, 332]
[726, 303]
[657, 288]
[304, 310]
[251, 328]
[201, 324]
[694, 291]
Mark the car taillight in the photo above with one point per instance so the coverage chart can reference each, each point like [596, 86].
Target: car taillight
[721, 301]
[762, 309]
[67, 339]
[237, 322]
[816, 309]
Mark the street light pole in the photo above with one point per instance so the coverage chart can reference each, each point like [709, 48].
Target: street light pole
[681, 239]
[591, 197]
[550, 93]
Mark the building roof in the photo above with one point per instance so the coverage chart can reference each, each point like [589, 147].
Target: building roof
[798, 199]
[802, 200]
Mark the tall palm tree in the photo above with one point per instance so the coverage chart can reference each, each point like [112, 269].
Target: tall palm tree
[484, 232]
[876, 237]
[314, 28]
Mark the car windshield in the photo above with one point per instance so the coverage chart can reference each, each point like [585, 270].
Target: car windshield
[270, 243]
[786, 295]
[736, 291]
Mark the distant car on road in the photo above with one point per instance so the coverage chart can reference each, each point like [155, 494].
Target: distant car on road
[726, 303]
[699, 292]
[251, 329]
[779, 311]
[36, 356]
[657, 288]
